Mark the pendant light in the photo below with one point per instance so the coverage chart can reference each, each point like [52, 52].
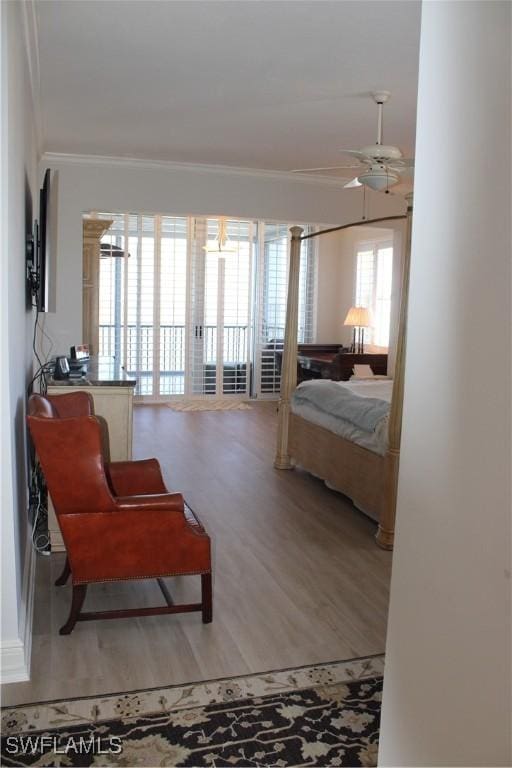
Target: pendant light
[221, 244]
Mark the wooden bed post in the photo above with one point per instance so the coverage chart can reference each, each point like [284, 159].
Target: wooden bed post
[289, 364]
[386, 531]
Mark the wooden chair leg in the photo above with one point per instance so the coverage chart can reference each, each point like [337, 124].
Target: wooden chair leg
[77, 600]
[206, 597]
[64, 575]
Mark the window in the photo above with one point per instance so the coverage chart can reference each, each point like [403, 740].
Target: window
[185, 321]
[374, 274]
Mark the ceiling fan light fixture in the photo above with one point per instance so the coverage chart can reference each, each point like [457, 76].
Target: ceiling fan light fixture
[379, 180]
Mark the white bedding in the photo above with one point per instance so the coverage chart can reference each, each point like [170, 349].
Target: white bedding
[376, 441]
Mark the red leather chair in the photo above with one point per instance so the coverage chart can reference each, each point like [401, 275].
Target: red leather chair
[117, 519]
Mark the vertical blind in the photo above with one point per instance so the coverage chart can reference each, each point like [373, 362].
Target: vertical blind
[189, 322]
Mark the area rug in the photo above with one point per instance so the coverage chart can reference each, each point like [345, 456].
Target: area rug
[208, 405]
[322, 715]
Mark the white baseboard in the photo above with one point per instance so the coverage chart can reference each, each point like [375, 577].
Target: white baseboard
[15, 655]
[14, 667]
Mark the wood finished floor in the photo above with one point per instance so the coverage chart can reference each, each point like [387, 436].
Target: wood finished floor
[298, 578]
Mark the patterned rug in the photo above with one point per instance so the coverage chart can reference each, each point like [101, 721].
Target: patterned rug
[208, 405]
[322, 715]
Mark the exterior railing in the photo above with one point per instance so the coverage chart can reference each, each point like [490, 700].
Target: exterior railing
[204, 356]
[139, 357]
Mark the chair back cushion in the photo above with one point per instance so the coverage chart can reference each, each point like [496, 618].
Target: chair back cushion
[61, 406]
[69, 450]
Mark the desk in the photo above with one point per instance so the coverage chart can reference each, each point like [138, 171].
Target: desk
[325, 361]
[112, 392]
[339, 366]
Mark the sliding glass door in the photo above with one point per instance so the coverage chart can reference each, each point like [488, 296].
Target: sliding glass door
[191, 318]
[142, 300]
[220, 297]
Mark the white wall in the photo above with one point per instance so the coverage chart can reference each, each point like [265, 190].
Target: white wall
[18, 183]
[88, 184]
[447, 687]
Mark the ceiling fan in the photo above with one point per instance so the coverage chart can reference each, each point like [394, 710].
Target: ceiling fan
[381, 165]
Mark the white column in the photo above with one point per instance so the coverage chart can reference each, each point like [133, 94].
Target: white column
[447, 688]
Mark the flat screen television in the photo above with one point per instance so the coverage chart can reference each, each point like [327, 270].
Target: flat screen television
[46, 250]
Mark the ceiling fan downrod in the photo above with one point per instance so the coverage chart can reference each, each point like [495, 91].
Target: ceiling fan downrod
[380, 98]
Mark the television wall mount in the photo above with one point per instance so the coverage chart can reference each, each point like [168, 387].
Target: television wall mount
[32, 249]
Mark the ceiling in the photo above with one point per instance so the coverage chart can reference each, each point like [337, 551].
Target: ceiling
[273, 85]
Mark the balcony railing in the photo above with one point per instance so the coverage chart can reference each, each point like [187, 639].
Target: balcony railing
[140, 348]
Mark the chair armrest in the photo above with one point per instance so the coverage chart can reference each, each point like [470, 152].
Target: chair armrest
[161, 502]
[135, 478]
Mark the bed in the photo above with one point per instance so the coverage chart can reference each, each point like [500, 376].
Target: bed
[357, 410]
[366, 473]
[347, 456]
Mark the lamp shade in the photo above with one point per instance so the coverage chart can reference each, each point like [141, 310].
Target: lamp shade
[360, 317]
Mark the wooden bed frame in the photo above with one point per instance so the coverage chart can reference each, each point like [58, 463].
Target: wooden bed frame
[345, 466]
[369, 479]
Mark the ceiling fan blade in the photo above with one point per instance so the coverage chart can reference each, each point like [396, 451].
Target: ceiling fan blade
[404, 162]
[354, 183]
[359, 155]
[328, 168]
[404, 173]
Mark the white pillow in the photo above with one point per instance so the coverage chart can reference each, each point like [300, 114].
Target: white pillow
[362, 371]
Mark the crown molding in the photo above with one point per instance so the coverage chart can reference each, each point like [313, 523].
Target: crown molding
[63, 158]
[31, 40]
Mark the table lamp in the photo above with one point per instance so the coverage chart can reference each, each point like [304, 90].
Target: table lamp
[360, 318]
